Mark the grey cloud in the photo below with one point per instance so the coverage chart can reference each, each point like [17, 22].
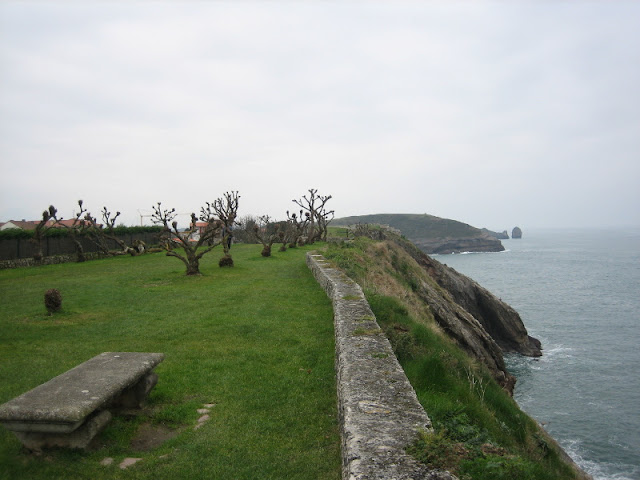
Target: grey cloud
[494, 113]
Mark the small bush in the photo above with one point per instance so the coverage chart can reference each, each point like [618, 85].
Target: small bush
[53, 300]
[226, 261]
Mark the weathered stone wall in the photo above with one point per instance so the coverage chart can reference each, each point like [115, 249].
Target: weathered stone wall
[379, 412]
[30, 262]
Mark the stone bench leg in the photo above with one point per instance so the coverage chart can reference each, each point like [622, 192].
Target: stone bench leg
[135, 395]
[79, 438]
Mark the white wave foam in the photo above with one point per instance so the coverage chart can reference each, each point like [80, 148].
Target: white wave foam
[600, 471]
[556, 351]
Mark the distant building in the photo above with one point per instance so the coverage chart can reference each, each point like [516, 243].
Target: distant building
[32, 224]
[20, 224]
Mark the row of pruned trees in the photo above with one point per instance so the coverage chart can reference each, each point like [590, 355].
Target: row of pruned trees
[307, 226]
[84, 225]
[218, 222]
[215, 225]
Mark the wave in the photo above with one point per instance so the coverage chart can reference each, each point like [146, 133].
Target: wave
[603, 470]
[466, 253]
[556, 351]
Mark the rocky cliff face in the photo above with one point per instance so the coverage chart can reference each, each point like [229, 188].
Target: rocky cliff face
[476, 319]
[516, 232]
[499, 320]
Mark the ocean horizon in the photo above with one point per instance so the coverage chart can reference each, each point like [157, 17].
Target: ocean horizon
[578, 292]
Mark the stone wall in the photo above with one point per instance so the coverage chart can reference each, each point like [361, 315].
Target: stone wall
[378, 409]
[30, 262]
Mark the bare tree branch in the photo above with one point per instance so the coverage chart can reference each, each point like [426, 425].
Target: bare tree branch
[319, 218]
[194, 248]
[267, 233]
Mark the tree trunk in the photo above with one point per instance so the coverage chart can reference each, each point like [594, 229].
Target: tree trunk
[193, 267]
[193, 264]
[79, 249]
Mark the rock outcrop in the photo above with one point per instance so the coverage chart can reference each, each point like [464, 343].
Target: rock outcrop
[503, 235]
[516, 232]
[481, 243]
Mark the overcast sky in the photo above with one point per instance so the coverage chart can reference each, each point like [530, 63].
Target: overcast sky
[492, 113]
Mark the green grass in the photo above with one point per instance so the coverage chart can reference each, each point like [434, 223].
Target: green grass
[256, 340]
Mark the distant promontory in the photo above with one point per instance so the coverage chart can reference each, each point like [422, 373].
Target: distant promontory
[432, 234]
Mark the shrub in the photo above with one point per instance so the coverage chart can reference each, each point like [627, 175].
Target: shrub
[226, 261]
[53, 300]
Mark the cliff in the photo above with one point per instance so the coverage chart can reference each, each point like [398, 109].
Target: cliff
[498, 319]
[479, 322]
[432, 234]
[410, 291]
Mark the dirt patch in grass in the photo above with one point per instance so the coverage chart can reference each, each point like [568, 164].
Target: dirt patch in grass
[150, 436]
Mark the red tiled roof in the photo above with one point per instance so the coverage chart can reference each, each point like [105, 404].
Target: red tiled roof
[25, 224]
[32, 224]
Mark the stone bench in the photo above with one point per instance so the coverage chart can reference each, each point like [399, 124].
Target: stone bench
[71, 409]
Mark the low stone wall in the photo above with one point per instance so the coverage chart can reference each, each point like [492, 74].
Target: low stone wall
[379, 412]
[30, 262]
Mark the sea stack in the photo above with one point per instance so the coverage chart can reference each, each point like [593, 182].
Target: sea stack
[516, 233]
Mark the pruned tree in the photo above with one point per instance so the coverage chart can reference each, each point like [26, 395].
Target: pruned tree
[78, 226]
[94, 232]
[105, 231]
[194, 249]
[285, 233]
[266, 233]
[319, 217]
[101, 233]
[226, 208]
[39, 232]
[297, 227]
[323, 218]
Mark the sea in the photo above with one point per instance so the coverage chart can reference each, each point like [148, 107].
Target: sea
[578, 292]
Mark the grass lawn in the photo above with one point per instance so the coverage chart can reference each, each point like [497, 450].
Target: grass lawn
[256, 340]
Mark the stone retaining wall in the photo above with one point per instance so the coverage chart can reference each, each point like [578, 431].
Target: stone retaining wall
[379, 412]
[30, 262]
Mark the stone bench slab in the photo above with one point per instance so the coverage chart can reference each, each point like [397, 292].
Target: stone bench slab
[63, 403]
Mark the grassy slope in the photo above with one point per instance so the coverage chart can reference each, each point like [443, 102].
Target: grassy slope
[416, 226]
[256, 340]
[467, 407]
